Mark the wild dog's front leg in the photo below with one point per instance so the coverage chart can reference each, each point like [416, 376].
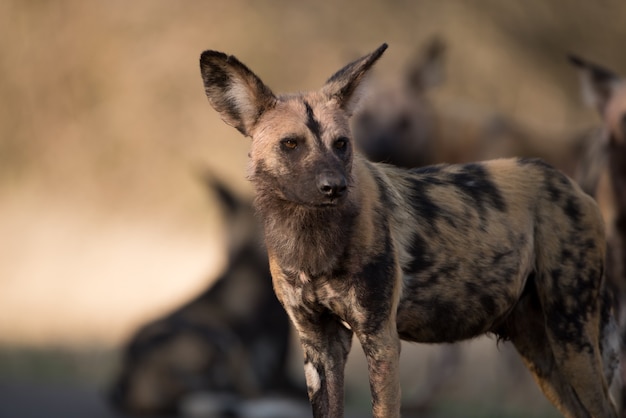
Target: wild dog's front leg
[382, 350]
[326, 343]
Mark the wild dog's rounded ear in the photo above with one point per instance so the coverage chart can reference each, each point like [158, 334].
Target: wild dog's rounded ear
[426, 69]
[597, 83]
[214, 184]
[238, 95]
[343, 85]
[607, 92]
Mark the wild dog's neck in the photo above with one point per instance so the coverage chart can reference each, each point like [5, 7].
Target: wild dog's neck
[311, 240]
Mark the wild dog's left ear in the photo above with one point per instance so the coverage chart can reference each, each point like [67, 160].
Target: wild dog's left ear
[238, 95]
[343, 85]
[598, 83]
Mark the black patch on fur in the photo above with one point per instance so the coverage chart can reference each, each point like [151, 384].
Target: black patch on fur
[554, 182]
[473, 180]
[566, 255]
[422, 260]
[427, 210]
[572, 210]
[375, 284]
[567, 325]
[383, 188]
[488, 304]
[538, 162]
[312, 123]
[472, 289]
[499, 255]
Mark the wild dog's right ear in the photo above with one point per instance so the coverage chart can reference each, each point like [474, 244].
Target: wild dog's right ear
[345, 82]
[598, 83]
[238, 95]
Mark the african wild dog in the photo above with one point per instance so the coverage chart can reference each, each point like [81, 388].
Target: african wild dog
[227, 345]
[437, 254]
[602, 174]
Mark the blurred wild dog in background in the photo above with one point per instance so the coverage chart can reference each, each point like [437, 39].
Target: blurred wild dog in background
[397, 124]
[402, 122]
[602, 174]
[438, 254]
[231, 341]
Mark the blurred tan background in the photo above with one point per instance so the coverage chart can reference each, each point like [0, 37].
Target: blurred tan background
[104, 128]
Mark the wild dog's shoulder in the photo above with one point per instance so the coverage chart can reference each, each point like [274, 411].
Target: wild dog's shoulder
[518, 172]
[499, 185]
[474, 173]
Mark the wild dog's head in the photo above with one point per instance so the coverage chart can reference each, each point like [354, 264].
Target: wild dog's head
[606, 91]
[302, 148]
[397, 122]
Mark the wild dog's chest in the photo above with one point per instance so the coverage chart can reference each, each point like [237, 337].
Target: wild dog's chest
[361, 297]
[313, 296]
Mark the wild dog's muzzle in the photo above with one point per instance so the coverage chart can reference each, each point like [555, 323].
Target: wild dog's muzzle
[331, 184]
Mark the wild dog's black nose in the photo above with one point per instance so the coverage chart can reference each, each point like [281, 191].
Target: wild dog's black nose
[331, 184]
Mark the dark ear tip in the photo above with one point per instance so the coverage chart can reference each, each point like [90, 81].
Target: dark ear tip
[437, 45]
[576, 61]
[208, 55]
[378, 52]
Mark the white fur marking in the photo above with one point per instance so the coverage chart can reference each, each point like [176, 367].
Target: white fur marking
[240, 94]
[312, 378]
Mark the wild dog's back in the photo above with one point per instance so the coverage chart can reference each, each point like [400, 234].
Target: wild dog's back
[476, 233]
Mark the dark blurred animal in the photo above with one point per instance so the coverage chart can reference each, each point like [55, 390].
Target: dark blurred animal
[602, 174]
[438, 254]
[402, 123]
[397, 123]
[232, 340]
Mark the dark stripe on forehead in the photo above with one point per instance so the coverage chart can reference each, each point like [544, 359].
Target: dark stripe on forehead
[313, 124]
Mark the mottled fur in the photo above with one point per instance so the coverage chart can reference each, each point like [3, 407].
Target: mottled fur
[437, 254]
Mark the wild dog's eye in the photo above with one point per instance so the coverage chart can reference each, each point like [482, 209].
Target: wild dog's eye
[341, 143]
[289, 143]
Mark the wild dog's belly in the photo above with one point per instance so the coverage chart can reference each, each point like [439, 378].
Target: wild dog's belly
[456, 301]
